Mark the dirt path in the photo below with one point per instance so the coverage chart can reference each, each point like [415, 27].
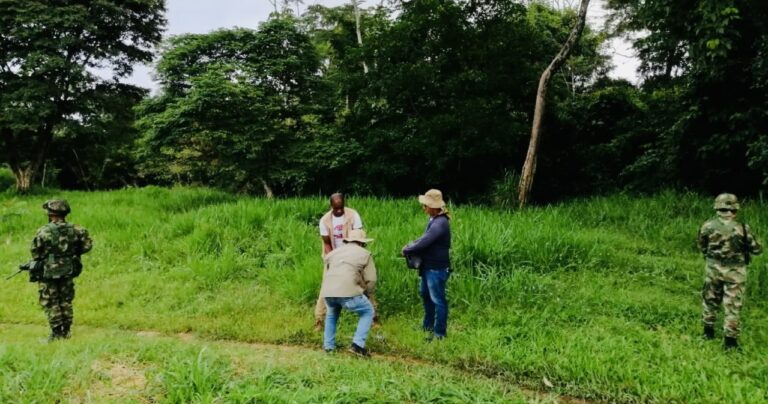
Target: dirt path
[532, 394]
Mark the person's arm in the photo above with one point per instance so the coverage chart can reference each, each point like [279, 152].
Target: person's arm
[86, 243]
[325, 234]
[38, 247]
[369, 276]
[437, 229]
[703, 239]
[755, 247]
[327, 247]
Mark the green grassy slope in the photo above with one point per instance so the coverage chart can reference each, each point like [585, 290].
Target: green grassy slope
[599, 296]
[102, 366]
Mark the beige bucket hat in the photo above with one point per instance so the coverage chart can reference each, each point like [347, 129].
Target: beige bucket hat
[433, 199]
[357, 235]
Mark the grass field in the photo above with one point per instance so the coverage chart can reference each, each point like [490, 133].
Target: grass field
[118, 366]
[595, 298]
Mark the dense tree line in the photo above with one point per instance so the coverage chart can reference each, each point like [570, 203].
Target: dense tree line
[408, 95]
[51, 96]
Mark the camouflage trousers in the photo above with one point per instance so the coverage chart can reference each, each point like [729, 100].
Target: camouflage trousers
[724, 285]
[56, 297]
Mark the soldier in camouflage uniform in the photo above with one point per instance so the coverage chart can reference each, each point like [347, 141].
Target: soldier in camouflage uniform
[59, 245]
[726, 245]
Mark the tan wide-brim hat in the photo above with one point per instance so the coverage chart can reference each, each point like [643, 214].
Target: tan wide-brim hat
[357, 235]
[433, 199]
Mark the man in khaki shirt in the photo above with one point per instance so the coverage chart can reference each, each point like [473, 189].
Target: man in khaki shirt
[334, 226]
[349, 274]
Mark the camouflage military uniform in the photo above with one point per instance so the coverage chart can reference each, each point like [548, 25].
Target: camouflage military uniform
[726, 245]
[59, 245]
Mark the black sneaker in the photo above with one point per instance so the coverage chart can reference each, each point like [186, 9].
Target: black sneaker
[359, 351]
[330, 351]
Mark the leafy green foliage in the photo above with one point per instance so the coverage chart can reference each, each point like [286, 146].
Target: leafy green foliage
[446, 101]
[48, 56]
[6, 179]
[592, 137]
[239, 109]
[449, 99]
[706, 59]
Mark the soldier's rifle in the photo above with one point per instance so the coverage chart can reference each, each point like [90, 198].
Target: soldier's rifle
[747, 257]
[35, 269]
[22, 268]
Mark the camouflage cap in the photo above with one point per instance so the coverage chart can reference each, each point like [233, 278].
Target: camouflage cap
[726, 201]
[57, 207]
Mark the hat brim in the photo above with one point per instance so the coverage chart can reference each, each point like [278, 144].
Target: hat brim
[432, 204]
[359, 240]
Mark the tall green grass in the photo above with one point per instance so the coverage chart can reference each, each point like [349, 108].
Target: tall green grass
[7, 181]
[102, 366]
[598, 295]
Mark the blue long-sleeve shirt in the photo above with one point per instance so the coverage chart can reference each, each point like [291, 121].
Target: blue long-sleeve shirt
[433, 247]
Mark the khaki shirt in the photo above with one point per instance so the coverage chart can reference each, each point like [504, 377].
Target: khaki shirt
[349, 271]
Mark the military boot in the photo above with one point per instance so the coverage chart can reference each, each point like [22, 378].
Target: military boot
[55, 334]
[64, 331]
[709, 332]
[731, 343]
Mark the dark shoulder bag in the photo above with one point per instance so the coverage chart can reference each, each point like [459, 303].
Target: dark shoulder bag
[413, 261]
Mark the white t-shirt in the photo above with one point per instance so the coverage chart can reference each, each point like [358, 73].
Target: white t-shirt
[338, 227]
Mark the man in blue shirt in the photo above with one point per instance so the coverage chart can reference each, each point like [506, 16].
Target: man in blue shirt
[433, 248]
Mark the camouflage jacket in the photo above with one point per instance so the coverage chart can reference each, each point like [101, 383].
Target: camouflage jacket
[59, 245]
[723, 240]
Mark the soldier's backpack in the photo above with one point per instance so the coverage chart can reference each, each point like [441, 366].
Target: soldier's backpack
[60, 262]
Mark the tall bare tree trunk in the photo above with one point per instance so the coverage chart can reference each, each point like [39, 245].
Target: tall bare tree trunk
[24, 170]
[356, 7]
[298, 9]
[529, 168]
[267, 189]
[23, 179]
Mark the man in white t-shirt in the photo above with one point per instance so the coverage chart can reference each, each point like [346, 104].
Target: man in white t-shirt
[336, 224]
[334, 227]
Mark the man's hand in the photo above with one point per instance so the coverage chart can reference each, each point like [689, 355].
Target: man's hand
[327, 247]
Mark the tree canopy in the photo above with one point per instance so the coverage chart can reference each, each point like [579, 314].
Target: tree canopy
[705, 62]
[390, 99]
[240, 109]
[53, 56]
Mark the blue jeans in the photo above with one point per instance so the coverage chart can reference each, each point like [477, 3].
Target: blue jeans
[355, 304]
[435, 301]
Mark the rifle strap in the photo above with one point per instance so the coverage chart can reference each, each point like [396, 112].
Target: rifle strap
[746, 244]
